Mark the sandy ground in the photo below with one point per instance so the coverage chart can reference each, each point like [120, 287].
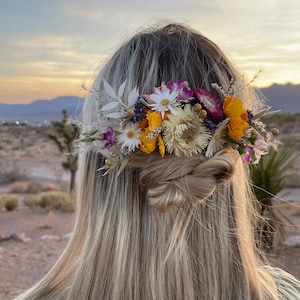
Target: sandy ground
[24, 263]
[28, 248]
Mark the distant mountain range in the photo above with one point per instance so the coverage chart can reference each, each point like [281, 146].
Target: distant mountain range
[281, 97]
[41, 111]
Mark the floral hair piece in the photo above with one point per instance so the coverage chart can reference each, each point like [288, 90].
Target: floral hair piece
[177, 120]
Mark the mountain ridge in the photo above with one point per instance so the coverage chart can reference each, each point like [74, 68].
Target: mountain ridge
[280, 97]
[41, 110]
[284, 97]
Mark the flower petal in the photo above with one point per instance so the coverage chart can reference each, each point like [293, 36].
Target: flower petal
[132, 97]
[121, 89]
[110, 106]
[109, 90]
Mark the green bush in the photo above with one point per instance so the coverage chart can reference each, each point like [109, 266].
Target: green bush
[57, 201]
[31, 201]
[33, 187]
[269, 178]
[9, 201]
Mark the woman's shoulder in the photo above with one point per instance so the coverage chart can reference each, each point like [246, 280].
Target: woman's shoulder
[288, 286]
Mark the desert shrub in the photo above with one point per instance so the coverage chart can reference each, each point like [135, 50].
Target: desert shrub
[34, 187]
[10, 171]
[9, 201]
[18, 187]
[31, 187]
[57, 201]
[32, 200]
[11, 204]
[2, 202]
[49, 186]
[269, 178]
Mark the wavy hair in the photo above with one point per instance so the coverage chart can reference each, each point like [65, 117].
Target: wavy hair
[166, 228]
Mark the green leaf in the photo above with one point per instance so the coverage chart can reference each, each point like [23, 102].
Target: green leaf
[269, 174]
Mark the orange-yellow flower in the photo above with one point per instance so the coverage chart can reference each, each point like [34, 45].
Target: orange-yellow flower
[236, 128]
[154, 120]
[233, 109]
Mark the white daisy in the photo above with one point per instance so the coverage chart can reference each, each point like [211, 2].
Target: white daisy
[129, 137]
[185, 134]
[164, 100]
[217, 143]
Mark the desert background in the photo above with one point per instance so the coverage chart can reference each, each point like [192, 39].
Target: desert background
[33, 236]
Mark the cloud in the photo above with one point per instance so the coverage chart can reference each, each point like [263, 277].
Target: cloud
[66, 40]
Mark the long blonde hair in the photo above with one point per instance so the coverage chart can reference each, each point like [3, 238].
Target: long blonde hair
[166, 228]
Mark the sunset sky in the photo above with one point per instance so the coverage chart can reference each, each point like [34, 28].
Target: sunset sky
[50, 48]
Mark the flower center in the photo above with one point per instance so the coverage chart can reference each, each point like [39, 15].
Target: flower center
[188, 135]
[130, 134]
[209, 102]
[130, 112]
[165, 102]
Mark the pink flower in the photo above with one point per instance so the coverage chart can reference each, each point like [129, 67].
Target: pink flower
[109, 136]
[255, 151]
[260, 142]
[185, 94]
[210, 103]
[246, 157]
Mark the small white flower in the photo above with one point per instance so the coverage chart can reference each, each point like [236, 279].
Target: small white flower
[129, 137]
[164, 100]
[217, 143]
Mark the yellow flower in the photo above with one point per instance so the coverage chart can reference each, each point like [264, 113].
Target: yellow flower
[154, 120]
[233, 109]
[236, 128]
[147, 145]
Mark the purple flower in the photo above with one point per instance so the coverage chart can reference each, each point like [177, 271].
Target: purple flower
[185, 94]
[260, 142]
[250, 116]
[109, 136]
[255, 151]
[210, 103]
[210, 125]
[246, 157]
[139, 110]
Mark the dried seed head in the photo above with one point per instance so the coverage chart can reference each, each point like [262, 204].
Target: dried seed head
[275, 131]
[202, 114]
[197, 107]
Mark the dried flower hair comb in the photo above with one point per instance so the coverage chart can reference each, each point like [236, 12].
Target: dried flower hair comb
[178, 120]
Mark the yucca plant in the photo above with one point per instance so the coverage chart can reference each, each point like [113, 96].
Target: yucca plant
[268, 178]
[65, 133]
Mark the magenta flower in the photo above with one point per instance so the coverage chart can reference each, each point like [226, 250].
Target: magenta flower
[185, 94]
[210, 103]
[109, 136]
[246, 157]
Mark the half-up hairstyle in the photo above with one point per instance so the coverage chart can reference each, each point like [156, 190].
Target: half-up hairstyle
[165, 228]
